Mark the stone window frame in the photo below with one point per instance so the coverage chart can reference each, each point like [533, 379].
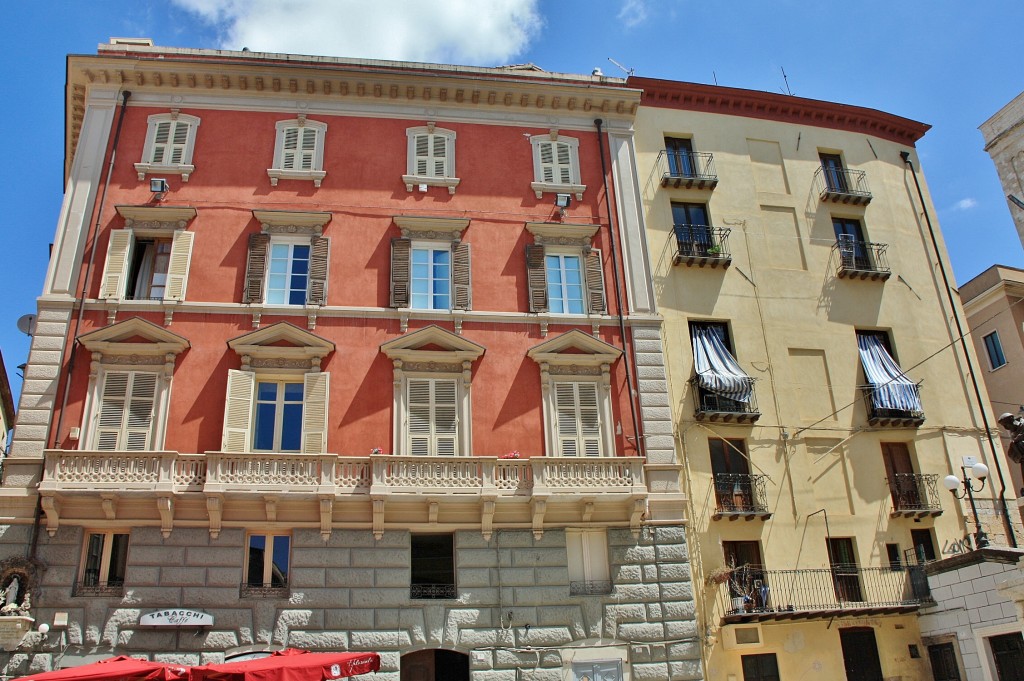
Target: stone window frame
[316, 173]
[565, 238]
[183, 167]
[540, 186]
[103, 588]
[421, 231]
[294, 227]
[413, 179]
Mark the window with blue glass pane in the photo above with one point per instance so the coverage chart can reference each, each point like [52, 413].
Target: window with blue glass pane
[565, 283]
[431, 278]
[288, 278]
[278, 426]
[996, 358]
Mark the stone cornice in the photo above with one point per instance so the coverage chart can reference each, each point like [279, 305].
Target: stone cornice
[207, 73]
[291, 221]
[174, 216]
[562, 233]
[425, 227]
[670, 94]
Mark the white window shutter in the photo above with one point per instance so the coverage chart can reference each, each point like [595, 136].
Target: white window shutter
[161, 143]
[237, 435]
[179, 139]
[564, 167]
[439, 155]
[289, 149]
[178, 264]
[596, 556]
[590, 419]
[567, 425]
[547, 162]
[115, 270]
[308, 148]
[314, 412]
[433, 417]
[446, 418]
[578, 419]
[125, 419]
[420, 417]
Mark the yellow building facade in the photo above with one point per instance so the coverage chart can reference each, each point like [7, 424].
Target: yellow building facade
[819, 393]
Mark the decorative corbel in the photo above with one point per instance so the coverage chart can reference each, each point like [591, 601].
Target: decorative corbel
[51, 507]
[168, 316]
[543, 328]
[326, 516]
[174, 114]
[588, 510]
[246, 363]
[595, 329]
[109, 504]
[467, 373]
[311, 319]
[301, 118]
[457, 318]
[606, 377]
[169, 366]
[165, 506]
[397, 380]
[430, 126]
[539, 507]
[270, 504]
[487, 519]
[639, 506]
[256, 316]
[433, 509]
[553, 134]
[545, 379]
[94, 365]
[111, 314]
[214, 508]
[403, 321]
[378, 518]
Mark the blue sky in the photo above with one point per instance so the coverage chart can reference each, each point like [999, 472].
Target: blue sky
[941, 62]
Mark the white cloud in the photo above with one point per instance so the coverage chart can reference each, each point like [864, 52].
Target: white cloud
[633, 12]
[965, 204]
[447, 31]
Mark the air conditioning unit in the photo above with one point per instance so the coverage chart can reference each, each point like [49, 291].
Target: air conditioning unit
[742, 636]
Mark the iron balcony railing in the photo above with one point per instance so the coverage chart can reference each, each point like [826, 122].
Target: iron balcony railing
[590, 588]
[861, 259]
[914, 494]
[687, 169]
[741, 494]
[757, 593]
[93, 587]
[432, 591]
[702, 245]
[897, 418]
[714, 407]
[842, 185]
[257, 590]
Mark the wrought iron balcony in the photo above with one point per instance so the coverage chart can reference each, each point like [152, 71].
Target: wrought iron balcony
[590, 588]
[714, 407]
[739, 495]
[891, 418]
[247, 590]
[97, 589]
[914, 495]
[842, 185]
[753, 593]
[702, 245]
[861, 260]
[432, 591]
[687, 169]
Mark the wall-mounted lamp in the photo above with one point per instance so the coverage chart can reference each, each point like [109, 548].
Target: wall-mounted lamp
[159, 187]
[563, 201]
[953, 484]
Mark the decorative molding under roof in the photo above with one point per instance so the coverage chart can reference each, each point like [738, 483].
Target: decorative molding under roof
[562, 233]
[415, 226]
[134, 336]
[447, 347]
[590, 351]
[173, 217]
[292, 221]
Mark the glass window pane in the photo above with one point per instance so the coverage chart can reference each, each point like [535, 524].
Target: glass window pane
[118, 559]
[291, 428]
[266, 391]
[279, 572]
[93, 559]
[264, 430]
[297, 297]
[300, 251]
[293, 392]
[257, 550]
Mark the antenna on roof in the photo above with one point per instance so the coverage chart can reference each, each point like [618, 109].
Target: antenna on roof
[628, 72]
[787, 91]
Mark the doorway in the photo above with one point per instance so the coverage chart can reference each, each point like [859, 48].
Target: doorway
[860, 654]
[1008, 655]
[434, 665]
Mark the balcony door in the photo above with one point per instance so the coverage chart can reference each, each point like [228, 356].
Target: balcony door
[680, 156]
[835, 174]
[852, 248]
[860, 654]
[748, 580]
[1008, 654]
[692, 227]
[899, 471]
[845, 574]
[733, 489]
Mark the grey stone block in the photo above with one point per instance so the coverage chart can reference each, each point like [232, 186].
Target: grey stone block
[381, 558]
[653, 671]
[626, 574]
[552, 576]
[685, 670]
[349, 619]
[178, 576]
[210, 596]
[677, 591]
[220, 556]
[473, 577]
[159, 555]
[641, 593]
[473, 558]
[625, 555]
[154, 596]
[642, 631]
[350, 577]
[679, 610]
[392, 577]
[321, 557]
[302, 578]
[375, 640]
[631, 612]
[478, 596]
[184, 536]
[377, 598]
[674, 572]
[224, 576]
[675, 630]
[684, 651]
[319, 640]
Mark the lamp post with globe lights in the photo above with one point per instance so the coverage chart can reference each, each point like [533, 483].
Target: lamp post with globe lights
[953, 484]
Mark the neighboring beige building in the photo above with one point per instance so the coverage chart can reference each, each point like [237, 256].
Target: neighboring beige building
[789, 254]
[1004, 142]
[6, 408]
[991, 303]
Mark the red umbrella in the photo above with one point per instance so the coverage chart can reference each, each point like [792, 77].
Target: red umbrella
[290, 665]
[119, 668]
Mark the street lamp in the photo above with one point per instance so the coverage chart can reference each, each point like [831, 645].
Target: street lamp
[953, 483]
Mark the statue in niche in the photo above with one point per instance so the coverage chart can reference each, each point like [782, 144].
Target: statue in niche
[15, 603]
[1014, 425]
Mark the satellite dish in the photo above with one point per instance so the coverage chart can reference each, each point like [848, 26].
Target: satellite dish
[27, 324]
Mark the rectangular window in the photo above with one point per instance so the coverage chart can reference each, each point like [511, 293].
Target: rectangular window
[734, 486]
[147, 266]
[278, 422]
[578, 419]
[944, 662]
[431, 278]
[126, 410]
[565, 283]
[748, 584]
[680, 156]
[298, 151]
[587, 551]
[433, 417]
[288, 278]
[147, 278]
[924, 545]
[104, 562]
[170, 141]
[994, 349]
[267, 561]
[835, 174]
[763, 667]
[597, 671]
[845, 573]
[433, 566]
[853, 249]
[892, 552]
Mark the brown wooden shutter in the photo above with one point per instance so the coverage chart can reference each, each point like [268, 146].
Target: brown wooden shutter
[256, 269]
[401, 262]
[319, 249]
[536, 278]
[462, 290]
[595, 282]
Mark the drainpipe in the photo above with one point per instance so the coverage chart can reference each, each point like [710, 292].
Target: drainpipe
[633, 392]
[905, 155]
[80, 302]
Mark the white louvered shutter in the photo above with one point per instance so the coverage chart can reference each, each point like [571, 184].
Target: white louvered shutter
[290, 148]
[237, 435]
[433, 417]
[556, 162]
[178, 264]
[431, 155]
[125, 419]
[299, 149]
[115, 270]
[308, 149]
[578, 421]
[314, 412]
[169, 142]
